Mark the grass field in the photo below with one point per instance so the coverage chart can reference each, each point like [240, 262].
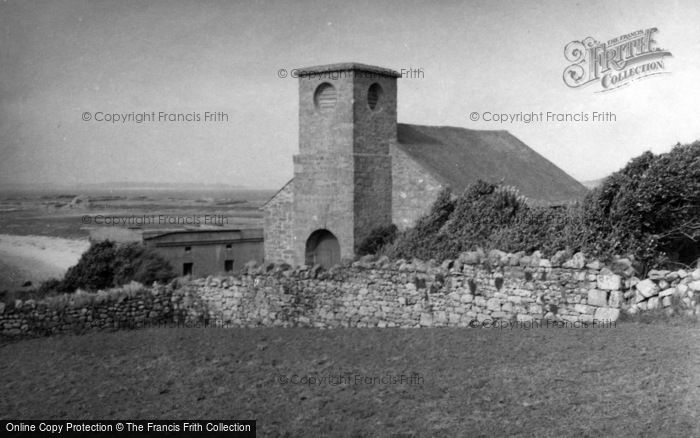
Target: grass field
[632, 380]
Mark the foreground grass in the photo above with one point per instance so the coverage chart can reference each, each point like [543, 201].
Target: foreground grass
[633, 380]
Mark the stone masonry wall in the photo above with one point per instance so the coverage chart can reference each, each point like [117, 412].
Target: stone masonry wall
[278, 226]
[476, 289]
[414, 189]
[131, 306]
[323, 200]
[372, 194]
[460, 293]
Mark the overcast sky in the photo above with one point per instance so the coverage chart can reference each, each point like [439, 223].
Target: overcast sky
[59, 59]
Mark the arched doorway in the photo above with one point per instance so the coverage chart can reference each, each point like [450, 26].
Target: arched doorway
[322, 248]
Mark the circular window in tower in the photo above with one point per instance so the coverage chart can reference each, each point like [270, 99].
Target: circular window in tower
[325, 97]
[374, 95]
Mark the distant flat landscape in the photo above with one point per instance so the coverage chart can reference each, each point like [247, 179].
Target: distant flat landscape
[43, 231]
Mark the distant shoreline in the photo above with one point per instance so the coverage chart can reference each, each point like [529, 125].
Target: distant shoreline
[125, 186]
[36, 258]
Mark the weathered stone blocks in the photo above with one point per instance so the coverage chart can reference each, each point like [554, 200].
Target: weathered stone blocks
[609, 281]
[667, 292]
[584, 309]
[653, 303]
[578, 261]
[607, 314]
[466, 298]
[616, 299]
[374, 295]
[597, 298]
[647, 288]
[493, 304]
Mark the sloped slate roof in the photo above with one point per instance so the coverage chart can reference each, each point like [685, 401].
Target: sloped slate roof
[347, 66]
[459, 157]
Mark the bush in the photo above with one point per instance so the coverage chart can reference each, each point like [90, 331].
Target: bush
[377, 239]
[106, 264]
[424, 239]
[459, 224]
[545, 229]
[650, 209]
[95, 269]
[483, 210]
[137, 263]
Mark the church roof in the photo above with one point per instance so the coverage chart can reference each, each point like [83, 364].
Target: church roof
[459, 157]
[347, 66]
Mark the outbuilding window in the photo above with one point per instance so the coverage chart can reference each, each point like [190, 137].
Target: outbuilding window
[187, 268]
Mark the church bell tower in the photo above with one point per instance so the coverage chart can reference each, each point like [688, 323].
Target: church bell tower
[342, 174]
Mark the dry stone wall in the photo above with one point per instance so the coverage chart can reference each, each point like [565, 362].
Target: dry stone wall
[131, 306]
[476, 290]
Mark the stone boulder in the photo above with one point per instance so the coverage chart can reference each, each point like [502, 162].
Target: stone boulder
[607, 314]
[426, 319]
[623, 266]
[671, 277]
[578, 261]
[647, 288]
[667, 292]
[609, 281]
[597, 298]
[560, 257]
[495, 256]
[653, 303]
[513, 259]
[525, 261]
[616, 299]
[595, 265]
[470, 257]
[420, 265]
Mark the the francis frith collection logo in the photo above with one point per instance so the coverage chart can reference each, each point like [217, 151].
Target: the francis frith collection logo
[615, 63]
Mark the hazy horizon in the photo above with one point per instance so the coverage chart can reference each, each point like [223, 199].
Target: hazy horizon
[60, 59]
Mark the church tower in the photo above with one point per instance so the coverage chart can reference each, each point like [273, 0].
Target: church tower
[342, 175]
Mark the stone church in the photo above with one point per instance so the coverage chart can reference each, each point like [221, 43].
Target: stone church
[357, 168]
